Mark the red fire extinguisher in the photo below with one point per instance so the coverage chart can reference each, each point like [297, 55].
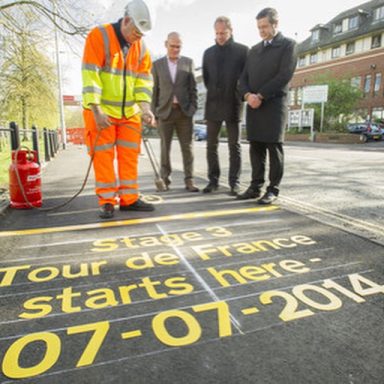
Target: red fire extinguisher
[25, 190]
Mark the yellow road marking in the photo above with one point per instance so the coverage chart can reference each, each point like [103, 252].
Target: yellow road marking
[249, 311]
[147, 220]
[131, 335]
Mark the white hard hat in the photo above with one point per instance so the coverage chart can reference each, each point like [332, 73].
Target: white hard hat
[138, 11]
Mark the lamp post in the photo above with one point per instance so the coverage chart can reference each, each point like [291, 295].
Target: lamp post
[58, 68]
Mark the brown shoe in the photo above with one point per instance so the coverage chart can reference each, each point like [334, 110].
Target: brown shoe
[190, 187]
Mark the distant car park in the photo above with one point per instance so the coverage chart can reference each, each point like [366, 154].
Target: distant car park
[200, 132]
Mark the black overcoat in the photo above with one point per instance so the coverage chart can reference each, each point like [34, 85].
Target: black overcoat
[268, 71]
[222, 68]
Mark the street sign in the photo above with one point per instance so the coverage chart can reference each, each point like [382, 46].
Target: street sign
[315, 94]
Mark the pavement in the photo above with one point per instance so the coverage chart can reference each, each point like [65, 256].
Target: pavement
[206, 289]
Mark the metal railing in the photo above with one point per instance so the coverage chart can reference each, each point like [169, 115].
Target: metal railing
[50, 138]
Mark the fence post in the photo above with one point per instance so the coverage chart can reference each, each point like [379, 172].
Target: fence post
[46, 144]
[15, 138]
[51, 146]
[55, 140]
[35, 142]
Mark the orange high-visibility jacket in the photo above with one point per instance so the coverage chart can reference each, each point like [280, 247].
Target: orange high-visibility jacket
[115, 82]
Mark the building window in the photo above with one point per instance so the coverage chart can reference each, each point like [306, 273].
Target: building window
[338, 28]
[301, 61]
[299, 95]
[378, 113]
[335, 52]
[356, 81]
[376, 41]
[313, 58]
[292, 97]
[350, 48]
[376, 87]
[353, 22]
[316, 35]
[378, 13]
[367, 84]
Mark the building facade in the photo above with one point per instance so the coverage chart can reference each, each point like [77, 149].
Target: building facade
[350, 46]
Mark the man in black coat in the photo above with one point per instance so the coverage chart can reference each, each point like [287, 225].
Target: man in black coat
[223, 64]
[264, 86]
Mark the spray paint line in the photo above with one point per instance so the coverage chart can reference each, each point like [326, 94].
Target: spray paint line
[147, 220]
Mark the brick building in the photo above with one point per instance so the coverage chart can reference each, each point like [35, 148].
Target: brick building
[350, 46]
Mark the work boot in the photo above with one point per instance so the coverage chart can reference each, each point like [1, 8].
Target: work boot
[190, 187]
[211, 187]
[138, 205]
[106, 211]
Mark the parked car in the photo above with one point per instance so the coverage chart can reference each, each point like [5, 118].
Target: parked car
[357, 127]
[373, 132]
[200, 132]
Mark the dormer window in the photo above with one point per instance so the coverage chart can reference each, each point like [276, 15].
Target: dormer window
[378, 13]
[353, 22]
[338, 28]
[315, 35]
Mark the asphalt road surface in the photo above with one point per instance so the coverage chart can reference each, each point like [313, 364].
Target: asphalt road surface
[206, 289]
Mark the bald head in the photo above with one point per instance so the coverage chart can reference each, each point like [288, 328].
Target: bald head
[173, 45]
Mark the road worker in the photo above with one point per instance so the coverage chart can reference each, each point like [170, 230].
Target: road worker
[117, 91]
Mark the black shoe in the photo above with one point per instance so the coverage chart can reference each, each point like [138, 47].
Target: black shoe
[106, 211]
[138, 205]
[234, 191]
[268, 198]
[250, 193]
[211, 187]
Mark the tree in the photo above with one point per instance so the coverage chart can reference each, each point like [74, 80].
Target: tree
[28, 82]
[343, 99]
[59, 15]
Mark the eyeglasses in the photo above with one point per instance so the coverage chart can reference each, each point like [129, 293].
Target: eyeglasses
[174, 46]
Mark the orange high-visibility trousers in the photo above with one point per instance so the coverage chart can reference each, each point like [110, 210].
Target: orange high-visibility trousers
[121, 139]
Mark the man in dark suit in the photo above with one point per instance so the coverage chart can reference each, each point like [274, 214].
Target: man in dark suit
[264, 86]
[223, 64]
[174, 103]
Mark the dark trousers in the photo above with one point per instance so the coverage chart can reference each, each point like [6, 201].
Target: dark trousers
[213, 133]
[258, 154]
[183, 126]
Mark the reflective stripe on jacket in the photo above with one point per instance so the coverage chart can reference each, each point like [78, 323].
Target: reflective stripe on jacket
[103, 70]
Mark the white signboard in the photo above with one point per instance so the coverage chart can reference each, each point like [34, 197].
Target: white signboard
[315, 94]
[301, 118]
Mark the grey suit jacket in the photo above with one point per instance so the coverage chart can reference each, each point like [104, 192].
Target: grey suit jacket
[164, 89]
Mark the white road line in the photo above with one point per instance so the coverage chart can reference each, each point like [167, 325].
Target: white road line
[203, 283]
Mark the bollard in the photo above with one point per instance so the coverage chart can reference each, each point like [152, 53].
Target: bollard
[46, 144]
[56, 141]
[15, 137]
[35, 143]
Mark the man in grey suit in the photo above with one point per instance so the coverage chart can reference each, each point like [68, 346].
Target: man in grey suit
[174, 103]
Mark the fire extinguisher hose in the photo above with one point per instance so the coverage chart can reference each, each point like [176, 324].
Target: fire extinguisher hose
[67, 201]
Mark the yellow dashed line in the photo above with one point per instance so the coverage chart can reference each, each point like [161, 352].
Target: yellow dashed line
[147, 220]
